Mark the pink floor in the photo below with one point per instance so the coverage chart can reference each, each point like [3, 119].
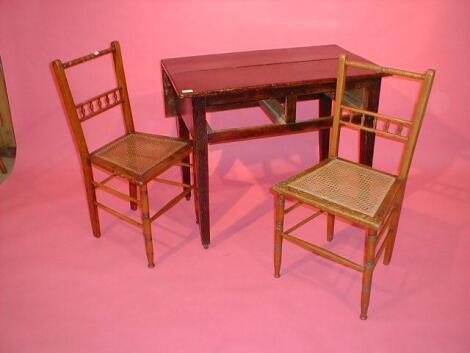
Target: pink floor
[61, 290]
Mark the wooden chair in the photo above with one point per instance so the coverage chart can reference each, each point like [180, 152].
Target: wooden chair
[137, 157]
[360, 194]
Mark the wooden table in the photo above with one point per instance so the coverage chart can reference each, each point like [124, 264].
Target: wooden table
[274, 80]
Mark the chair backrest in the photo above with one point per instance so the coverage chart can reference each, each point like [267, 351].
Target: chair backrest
[390, 127]
[80, 112]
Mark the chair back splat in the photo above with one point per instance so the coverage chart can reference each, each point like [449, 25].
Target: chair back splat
[390, 127]
[80, 112]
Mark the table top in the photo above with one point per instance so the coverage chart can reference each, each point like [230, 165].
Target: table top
[221, 73]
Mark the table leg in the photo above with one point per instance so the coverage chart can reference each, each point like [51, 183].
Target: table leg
[367, 139]
[183, 133]
[324, 109]
[202, 168]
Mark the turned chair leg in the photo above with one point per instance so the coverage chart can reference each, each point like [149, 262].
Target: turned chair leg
[369, 264]
[330, 227]
[279, 203]
[91, 199]
[147, 228]
[133, 194]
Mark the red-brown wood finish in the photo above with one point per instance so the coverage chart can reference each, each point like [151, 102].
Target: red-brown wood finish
[207, 83]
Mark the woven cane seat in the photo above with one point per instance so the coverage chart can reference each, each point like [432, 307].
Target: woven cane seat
[345, 184]
[138, 153]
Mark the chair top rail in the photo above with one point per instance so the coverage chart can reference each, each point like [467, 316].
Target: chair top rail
[386, 70]
[85, 58]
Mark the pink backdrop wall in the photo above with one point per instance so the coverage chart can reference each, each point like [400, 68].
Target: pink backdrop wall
[35, 215]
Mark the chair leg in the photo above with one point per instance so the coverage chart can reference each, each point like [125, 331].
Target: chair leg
[91, 199]
[186, 175]
[279, 203]
[3, 167]
[392, 233]
[195, 190]
[183, 132]
[330, 227]
[369, 264]
[133, 194]
[147, 228]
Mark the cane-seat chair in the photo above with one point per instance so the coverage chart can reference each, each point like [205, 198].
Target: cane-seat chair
[137, 157]
[364, 196]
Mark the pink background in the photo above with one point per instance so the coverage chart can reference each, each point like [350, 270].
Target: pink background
[61, 290]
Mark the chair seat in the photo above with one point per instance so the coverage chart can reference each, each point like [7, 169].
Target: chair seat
[140, 155]
[343, 187]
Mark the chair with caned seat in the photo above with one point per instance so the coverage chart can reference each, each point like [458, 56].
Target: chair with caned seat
[137, 157]
[367, 197]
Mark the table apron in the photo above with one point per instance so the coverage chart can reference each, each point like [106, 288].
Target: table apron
[251, 99]
[304, 92]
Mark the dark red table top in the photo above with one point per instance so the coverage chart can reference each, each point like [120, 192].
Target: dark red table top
[219, 73]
